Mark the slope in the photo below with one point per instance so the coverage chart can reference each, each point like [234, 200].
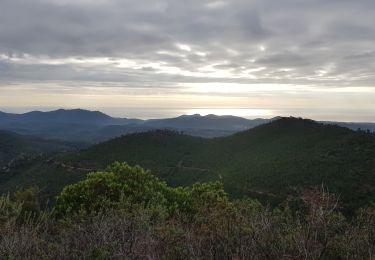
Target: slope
[15, 147]
[269, 162]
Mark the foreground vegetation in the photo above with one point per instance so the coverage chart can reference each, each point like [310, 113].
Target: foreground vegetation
[126, 212]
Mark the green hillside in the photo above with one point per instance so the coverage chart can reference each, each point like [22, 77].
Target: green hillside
[268, 162]
[15, 147]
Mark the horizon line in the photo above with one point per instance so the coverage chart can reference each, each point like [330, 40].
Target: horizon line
[49, 109]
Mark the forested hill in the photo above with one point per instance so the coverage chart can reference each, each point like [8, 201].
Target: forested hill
[16, 148]
[269, 162]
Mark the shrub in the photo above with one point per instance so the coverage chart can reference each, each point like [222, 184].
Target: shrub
[118, 183]
[126, 213]
[29, 199]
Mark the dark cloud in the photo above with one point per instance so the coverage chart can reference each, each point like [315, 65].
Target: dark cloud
[311, 37]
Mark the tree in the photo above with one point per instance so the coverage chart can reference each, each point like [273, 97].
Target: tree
[118, 183]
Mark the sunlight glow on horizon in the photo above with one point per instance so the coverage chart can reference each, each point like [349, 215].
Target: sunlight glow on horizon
[245, 100]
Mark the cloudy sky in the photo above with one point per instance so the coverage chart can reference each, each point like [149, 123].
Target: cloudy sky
[156, 58]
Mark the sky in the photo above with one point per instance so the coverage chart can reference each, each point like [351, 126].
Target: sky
[162, 58]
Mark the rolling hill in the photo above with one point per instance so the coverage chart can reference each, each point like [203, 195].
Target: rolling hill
[15, 147]
[76, 125]
[80, 125]
[229, 123]
[63, 116]
[269, 162]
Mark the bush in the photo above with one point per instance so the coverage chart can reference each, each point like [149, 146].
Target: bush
[126, 213]
[121, 185]
[118, 183]
[29, 199]
[10, 211]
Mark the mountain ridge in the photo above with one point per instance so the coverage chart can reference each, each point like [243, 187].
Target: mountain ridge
[79, 125]
[95, 126]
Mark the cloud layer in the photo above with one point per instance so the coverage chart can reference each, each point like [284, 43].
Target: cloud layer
[172, 46]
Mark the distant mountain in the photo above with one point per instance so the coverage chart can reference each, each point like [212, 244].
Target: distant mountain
[75, 125]
[269, 162]
[355, 126]
[228, 123]
[78, 125]
[62, 116]
[93, 126]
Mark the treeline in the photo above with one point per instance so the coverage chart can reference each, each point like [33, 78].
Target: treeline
[126, 213]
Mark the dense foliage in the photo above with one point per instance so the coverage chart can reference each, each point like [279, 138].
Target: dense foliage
[16, 150]
[126, 213]
[271, 162]
[120, 184]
